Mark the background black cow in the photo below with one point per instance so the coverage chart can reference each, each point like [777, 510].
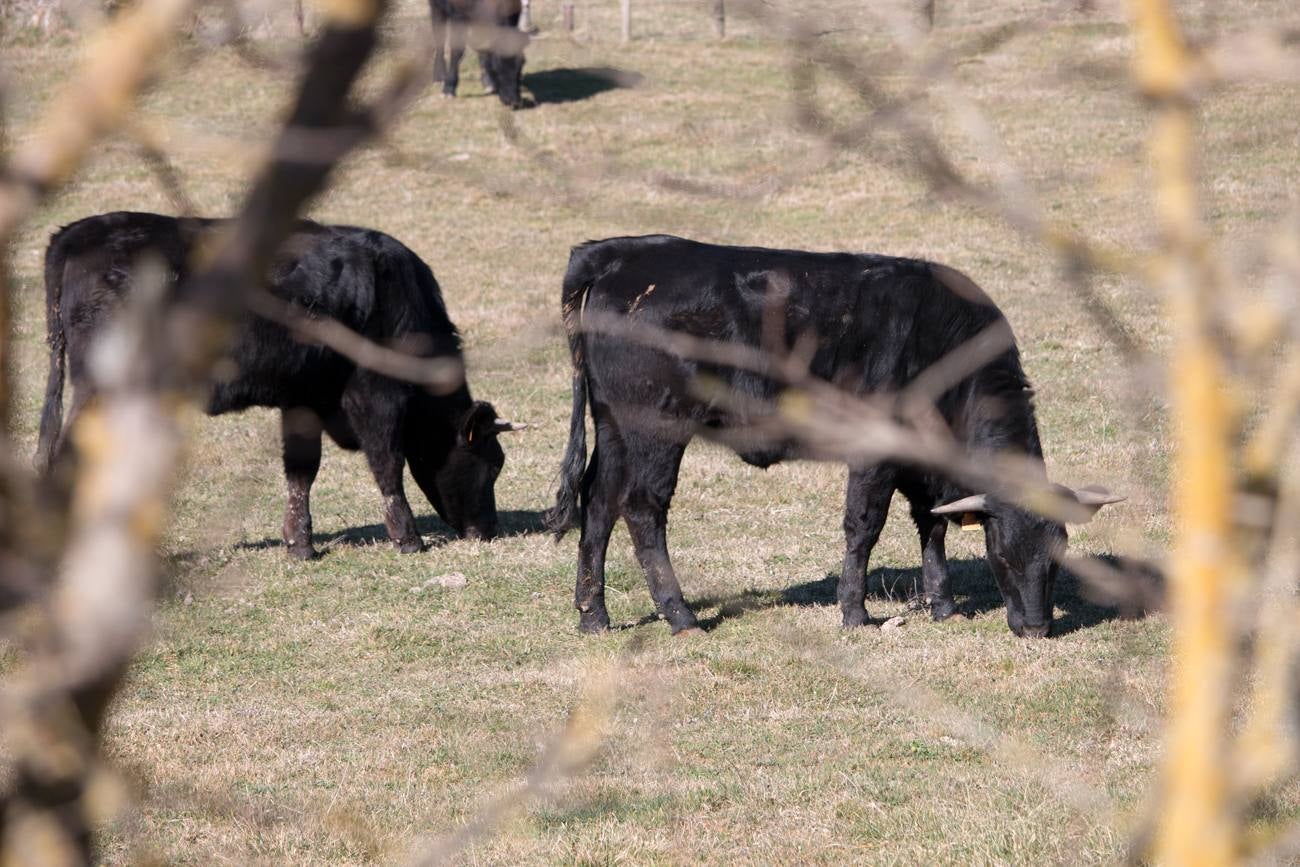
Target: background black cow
[366, 280]
[878, 321]
[491, 27]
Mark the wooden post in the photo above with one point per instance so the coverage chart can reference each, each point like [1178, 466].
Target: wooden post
[627, 20]
[300, 16]
[566, 12]
[526, 16]
[927, 13]
[720, 18]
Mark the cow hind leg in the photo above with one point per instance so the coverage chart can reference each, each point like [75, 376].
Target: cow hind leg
[652, 478]
[866, 505]
[300, 435]
[600, 511]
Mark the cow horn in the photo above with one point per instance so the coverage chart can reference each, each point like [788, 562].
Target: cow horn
[973, 503]
[502, 425]
[1091, 498]
[1096, 495]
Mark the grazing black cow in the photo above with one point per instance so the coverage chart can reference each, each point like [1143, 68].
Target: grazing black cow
[878, 321]
[491, 27]
[364, 279]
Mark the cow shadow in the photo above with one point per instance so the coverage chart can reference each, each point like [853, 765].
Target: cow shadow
[575, 85]
[973, 586]
[514, 522]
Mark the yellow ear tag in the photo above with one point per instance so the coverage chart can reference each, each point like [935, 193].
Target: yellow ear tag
[970, 521]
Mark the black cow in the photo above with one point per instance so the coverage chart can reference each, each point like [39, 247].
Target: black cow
[366, 280]
[878, 321]
[491, 27]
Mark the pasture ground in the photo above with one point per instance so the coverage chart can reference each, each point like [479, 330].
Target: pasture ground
[326, 712]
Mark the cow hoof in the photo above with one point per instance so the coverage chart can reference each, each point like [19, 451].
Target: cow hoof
[689, 632]
[302, 552]
[854, 619]
[942, 609]
[593, 622]
[448, 94]
[411, 546]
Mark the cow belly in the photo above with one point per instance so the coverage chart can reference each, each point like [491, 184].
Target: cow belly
[317, 388]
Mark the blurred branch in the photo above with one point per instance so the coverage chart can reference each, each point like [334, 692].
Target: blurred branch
[1197, 824]
[59, 703]
[129, 442]
[439, 375]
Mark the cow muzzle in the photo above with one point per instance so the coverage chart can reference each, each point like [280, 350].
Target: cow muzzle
[480, 534]
[1041, 631]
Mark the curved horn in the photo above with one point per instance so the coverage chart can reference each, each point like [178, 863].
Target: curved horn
[1096, 495]
[502, 425]
[973, 503]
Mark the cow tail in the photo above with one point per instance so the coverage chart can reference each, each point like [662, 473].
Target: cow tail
[52, 412]
[568, 505]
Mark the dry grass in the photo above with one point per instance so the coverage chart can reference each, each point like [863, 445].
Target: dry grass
[324, 712]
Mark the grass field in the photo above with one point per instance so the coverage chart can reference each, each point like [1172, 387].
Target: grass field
[338, 712]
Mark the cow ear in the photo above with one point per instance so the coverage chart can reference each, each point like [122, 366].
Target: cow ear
[1091, 498]
[971, 511]
[477, 422]
[482, 421]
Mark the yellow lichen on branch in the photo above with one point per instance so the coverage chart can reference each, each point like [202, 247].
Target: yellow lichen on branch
[1197, 821]
[348, 13]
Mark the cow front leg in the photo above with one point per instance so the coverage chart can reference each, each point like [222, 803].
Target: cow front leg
[300, 434]
[387, 468]
[375, 414]
[934, 565]
[486, 74]
[456, 33]
[866, 506]
[439, 42]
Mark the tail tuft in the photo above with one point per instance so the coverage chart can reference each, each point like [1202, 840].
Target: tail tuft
[567, 511]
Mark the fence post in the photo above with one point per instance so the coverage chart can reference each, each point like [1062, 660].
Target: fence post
[720, 18]
[301, 17]
[566, 11]
[627, 20]
[526, 16]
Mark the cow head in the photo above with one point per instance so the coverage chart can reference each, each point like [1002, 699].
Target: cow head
[1024, 550]
[505, 66]
[465, 485]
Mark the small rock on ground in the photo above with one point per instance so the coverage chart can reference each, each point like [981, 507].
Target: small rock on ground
[450, 581]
